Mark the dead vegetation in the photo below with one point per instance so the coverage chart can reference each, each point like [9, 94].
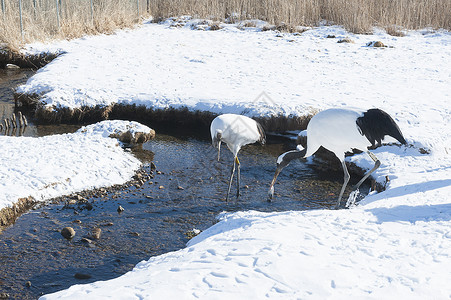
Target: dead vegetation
[75, 18]
[358, 16]
[43, 20]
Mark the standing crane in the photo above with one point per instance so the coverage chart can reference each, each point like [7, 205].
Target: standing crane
[235, 131]
[339, 131]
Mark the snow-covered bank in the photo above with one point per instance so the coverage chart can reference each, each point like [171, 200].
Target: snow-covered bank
[297, 255]
[52, 166]
[395, 244]
[228, 70]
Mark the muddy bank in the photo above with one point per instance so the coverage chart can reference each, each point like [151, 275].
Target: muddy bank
[8, 215]
[173, 117]
[25, 61]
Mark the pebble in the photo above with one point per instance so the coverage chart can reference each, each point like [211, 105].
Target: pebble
[86, 240]
[152, 166]
[71, 202]
[96, 232]
[12, 66]
[68, 232]
[192, 233]
[120, 209]
[378, 44]
[79, 197]
[88, 206]
[161, 187]
[180, 187]
[28, 284]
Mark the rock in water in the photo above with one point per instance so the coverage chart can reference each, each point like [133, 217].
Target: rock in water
[95, 233]
[68, 232]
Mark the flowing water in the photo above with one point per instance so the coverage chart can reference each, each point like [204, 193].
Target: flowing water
[187, 192]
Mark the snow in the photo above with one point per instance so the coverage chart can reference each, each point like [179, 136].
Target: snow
[114, 127]
[393, 244]
[293, 255]
[56, 165]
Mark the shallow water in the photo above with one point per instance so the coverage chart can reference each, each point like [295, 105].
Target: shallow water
[10, 79]
[187, 192]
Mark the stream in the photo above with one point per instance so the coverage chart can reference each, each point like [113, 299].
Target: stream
[186, 191]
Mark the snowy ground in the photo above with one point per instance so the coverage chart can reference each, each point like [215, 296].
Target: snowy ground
[395, 244]
[56, 165]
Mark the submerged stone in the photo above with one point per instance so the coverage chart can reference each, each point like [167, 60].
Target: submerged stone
[68, 232]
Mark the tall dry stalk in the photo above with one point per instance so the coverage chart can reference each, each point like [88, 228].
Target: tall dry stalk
[359, 16]
[75, 20]
[356, 15]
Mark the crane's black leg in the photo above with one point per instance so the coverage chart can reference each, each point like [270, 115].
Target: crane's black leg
[376, 165]
[238, 178]
[230, 181]
[345, 183]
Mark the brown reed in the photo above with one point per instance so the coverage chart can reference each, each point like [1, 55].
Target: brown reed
[77, 19]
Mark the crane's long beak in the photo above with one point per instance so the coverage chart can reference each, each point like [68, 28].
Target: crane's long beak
[271, 187]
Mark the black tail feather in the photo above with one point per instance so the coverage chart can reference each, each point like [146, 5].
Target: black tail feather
[261, 131]
[375, 124]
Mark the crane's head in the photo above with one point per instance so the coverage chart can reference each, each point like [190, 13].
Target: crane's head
[282, 161]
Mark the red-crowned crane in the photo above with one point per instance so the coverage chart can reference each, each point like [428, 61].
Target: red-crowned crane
[339, 131]
[235, 131]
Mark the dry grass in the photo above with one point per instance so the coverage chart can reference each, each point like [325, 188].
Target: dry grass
[75, 19]
[358, 16]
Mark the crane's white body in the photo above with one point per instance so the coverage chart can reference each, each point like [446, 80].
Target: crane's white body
[337, 131]
[341, 130]
[235, 130]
